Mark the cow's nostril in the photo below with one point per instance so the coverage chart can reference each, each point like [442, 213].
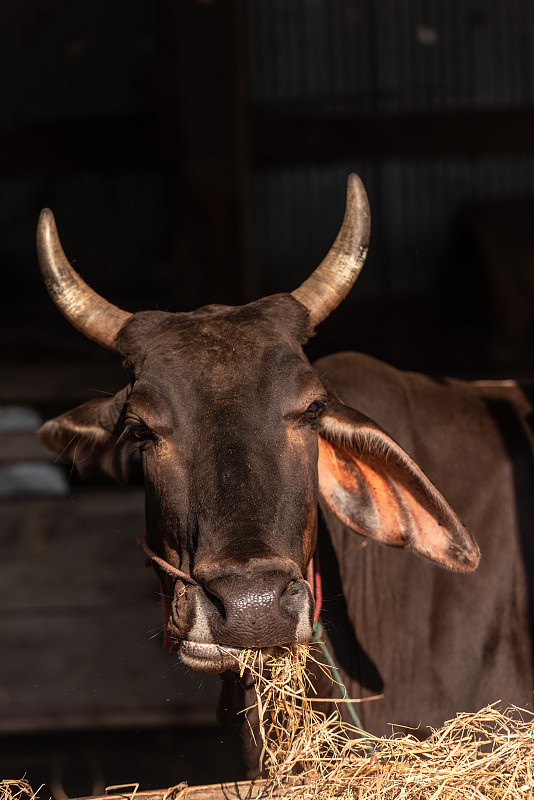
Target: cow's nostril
[293, 598]
[292, 589]
[217, 602]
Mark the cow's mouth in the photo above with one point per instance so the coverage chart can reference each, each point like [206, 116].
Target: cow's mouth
[211, 659]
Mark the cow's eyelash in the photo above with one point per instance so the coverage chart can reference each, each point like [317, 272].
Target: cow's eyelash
[136, 429]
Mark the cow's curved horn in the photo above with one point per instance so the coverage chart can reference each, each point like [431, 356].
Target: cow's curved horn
[336, 274]
[83, 307]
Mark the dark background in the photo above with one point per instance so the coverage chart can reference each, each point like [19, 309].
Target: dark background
[196, 151]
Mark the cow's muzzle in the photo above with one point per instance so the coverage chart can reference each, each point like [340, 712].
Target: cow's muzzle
[260, 605]
[210, 659]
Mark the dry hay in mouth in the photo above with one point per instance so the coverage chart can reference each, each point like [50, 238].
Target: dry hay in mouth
[16, 790]
[295, 736]
[488, 755]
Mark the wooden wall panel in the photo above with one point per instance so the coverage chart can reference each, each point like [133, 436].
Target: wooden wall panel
[80, 623]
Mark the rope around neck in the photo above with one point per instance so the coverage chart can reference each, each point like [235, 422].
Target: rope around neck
[313, 576]
[318, 639]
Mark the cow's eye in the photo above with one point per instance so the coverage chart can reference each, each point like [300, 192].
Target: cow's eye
[311, 414]
[140, 432]
[135, 428]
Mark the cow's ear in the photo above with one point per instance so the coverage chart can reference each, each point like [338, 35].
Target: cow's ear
[375, 488]
[90, 437]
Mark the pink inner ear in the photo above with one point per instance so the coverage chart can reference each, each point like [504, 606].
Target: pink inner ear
[360, 495]
[391, 500]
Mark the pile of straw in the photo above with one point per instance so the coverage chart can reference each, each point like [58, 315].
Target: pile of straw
[16, 790]
[488, 754]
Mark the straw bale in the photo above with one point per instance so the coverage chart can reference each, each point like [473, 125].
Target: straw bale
[475, 756]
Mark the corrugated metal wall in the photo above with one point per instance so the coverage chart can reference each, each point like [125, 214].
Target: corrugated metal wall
[353, 56]
[347, 57]
[75, 60]
[65, 62]
[414, 205]
[63, 66]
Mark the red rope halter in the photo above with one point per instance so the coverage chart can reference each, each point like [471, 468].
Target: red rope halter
[313, 577]
[152, 558]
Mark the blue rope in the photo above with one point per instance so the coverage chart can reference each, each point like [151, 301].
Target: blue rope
[318, 639]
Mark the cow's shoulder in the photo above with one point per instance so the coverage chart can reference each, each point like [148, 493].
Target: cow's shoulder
[359, 379]
[388, 395]
[401, 402]
[452, 428]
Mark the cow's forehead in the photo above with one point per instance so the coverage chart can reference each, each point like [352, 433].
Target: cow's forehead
[218, 350]
[223, 334]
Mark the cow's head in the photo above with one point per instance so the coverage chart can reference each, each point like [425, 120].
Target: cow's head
[238, 436]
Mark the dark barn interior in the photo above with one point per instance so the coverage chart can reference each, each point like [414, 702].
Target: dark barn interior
[196, 151]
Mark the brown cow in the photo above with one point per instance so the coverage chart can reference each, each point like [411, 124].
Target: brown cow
[240, 438]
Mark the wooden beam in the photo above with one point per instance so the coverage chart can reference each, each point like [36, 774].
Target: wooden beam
[236, 790]
[104, 144]
[61, 384]
[23, 446]
[413, 135]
